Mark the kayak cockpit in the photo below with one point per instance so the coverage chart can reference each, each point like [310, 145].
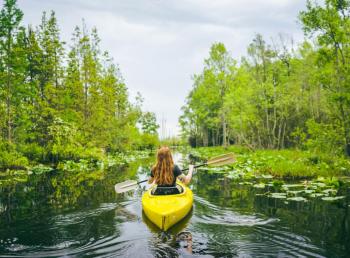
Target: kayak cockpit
[167, 190]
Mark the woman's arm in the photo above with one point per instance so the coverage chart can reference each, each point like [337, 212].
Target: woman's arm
[151, 177]
[186, 179]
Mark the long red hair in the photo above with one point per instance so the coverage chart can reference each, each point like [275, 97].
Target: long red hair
[163, 169]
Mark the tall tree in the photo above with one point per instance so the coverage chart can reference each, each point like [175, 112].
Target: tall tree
[148, 123]
[222, 67]
[52, 59]
[10, 18]
[329, 24]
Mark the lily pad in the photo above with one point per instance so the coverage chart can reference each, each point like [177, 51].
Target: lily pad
[260, 194]
[246, 183]
[297, 199]
[267, 176]
[233, 176]
[309, 191]
[294, 193]
[40, 169]
[261, 185]
[292, 186]
[278, 195]
[20, 172]
[329, 198]
[314, 195]
[330, 191]
[319, 184]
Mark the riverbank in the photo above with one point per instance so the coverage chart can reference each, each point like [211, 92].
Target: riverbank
[285, 164]
[23, 170]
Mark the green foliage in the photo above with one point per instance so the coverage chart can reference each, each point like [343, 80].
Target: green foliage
[174, 141]
[117, 159]
[278, 163]
[10, 158]
[149, 141]
[57, 105]
[62, 139]
[33, 151]
[267, 171]
[12, 67]
[279, 95]
[148, 123]
[328, 23]
[40, 169]
[325, 138]
[204, 115]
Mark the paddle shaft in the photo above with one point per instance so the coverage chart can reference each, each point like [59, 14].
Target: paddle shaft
[217, 161]
[197, 166]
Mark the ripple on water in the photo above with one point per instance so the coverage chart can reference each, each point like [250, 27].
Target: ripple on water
[224, 232]
[81, 216]
[289, 242]
[128, 238]
[116, 229]
[213, 214]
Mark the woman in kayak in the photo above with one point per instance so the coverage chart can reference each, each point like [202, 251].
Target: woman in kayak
[164, 173]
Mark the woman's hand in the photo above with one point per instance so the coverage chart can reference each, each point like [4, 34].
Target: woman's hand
[188, 177]
[190, 168]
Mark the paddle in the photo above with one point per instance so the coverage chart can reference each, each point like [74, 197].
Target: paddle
[215, 162]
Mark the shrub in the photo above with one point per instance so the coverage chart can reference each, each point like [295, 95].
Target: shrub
[10, 158]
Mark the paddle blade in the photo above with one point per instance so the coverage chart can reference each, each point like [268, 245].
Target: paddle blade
[125, 186]
[222, 160]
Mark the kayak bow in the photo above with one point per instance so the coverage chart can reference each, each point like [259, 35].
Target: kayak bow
[166, 210]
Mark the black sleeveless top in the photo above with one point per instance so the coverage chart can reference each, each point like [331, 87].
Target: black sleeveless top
[176, 171]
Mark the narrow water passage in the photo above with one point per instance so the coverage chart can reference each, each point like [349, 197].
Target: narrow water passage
[79, 215]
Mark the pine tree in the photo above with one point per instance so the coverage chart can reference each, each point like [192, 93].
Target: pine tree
[10, 65]
[52, 59]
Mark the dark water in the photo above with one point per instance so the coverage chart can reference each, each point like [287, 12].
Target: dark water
[79, 215]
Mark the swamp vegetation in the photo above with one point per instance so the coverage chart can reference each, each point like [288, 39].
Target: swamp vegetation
[78, 214]
[63, 101]
[69, 132]
[281, 94]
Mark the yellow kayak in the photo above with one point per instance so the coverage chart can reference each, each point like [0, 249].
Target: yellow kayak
[166, 210]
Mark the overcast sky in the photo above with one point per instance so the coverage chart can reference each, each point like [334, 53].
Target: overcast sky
[160, 44]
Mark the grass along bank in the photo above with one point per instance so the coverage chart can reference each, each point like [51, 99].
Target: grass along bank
[287, 175]
[284, 164]
[107, 162]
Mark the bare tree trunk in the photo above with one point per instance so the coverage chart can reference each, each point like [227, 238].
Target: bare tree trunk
[259, 137]
[224, 132]
[217, 137]
[85, 97]
[283, 134]
[273, 132]
[8, 111]
[205, 136]
[8, 86]
[346, 125]
[279, 133]
[213, 138]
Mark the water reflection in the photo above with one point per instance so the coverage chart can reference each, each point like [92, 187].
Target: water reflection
[79, 215]
[170, 242]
